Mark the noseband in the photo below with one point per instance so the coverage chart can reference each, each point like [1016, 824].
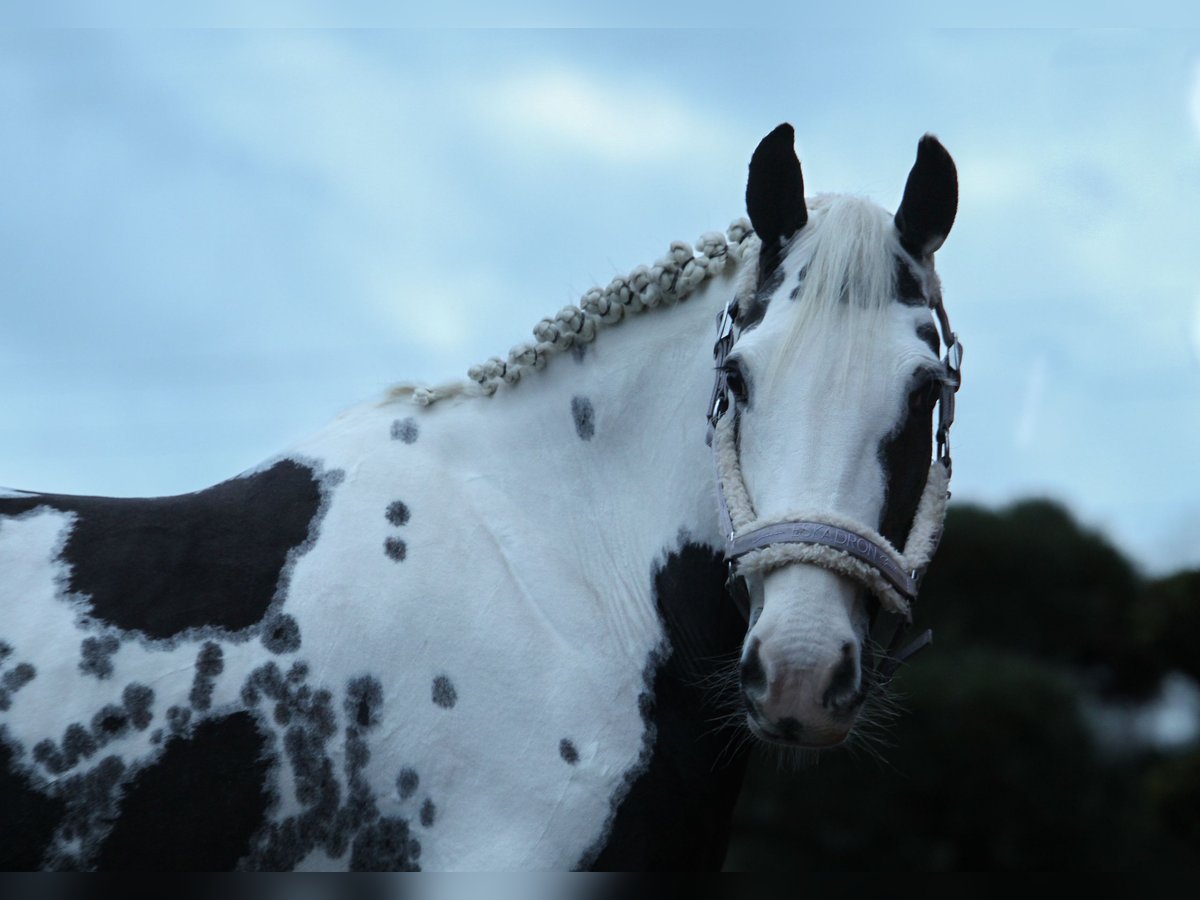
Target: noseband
[827, 539]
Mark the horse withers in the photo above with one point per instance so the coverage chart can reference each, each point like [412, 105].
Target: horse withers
[495, 624]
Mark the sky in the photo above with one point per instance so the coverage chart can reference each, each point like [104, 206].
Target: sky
[213, 240]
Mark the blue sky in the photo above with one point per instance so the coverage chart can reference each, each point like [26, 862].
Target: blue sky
[213, 240]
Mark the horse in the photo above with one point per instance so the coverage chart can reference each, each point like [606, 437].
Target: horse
[534, 619]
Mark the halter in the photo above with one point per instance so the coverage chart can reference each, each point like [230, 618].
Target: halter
[829, 540]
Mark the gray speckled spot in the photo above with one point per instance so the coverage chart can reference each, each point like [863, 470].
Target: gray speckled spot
[428, 813]
[139, 702]
[395, 548]
[384, 846]
[397, 513]
[17, 677]
[567, 751]
[444, 694]
[406, 782]
[281, 634]
[364, 698]
[405, 430]
[13, 680]
[178, 718]
[109, 723]
[77, 743]
[585, 417]
[46, 753]
[210, 663]
[96, 655]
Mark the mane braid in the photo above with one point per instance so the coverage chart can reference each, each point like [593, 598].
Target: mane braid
[668, 281]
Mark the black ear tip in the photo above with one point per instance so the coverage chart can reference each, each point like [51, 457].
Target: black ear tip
[782, 131]
[931, 148]
[780, 142]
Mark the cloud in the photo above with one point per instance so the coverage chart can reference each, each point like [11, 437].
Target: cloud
[622, 122]
[992, 181]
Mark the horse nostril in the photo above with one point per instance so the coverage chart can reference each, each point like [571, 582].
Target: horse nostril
[843, 685]
[754, 677]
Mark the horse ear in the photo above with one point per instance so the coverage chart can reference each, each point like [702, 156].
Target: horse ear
[775, 189]
[930, 199]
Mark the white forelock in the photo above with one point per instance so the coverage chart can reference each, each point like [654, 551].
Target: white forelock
[847, 253]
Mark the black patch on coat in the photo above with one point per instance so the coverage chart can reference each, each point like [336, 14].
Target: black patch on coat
[568, 752]
[679, 801]
[929, 334]
[29, 817]
[397, 513]
[405, 430]
[905, 455]
[96, 655]
[407, 782]
[91, 808]
[162, 565]
[395, 549]
[584, 416]
[908, 288]
[198, 807]
[428, 813]
[444, 694]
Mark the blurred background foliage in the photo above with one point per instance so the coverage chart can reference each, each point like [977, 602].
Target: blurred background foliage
[1019, 739]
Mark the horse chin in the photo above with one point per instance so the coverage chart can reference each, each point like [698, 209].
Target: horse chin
[796, 739]
[791, 732]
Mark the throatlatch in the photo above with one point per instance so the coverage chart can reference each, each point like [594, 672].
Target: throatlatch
[826, 539]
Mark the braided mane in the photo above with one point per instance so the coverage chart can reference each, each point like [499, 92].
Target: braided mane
[668, 281]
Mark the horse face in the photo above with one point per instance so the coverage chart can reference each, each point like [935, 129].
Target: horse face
[836, 373]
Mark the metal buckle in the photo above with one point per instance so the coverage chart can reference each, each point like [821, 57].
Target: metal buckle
[950, 386]
[718, 403]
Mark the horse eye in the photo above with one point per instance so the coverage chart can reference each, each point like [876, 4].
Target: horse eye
[735, 380]
[924, 394]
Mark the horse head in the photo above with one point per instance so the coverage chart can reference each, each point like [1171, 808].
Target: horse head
[829, 376]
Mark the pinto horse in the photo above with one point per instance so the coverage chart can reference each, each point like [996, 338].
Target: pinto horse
[529, 620]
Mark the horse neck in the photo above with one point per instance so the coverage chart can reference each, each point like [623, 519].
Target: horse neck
[589, 473]
[625, 482]
[617, 431]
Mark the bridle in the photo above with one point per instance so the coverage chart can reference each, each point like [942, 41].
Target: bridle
[829, 540]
